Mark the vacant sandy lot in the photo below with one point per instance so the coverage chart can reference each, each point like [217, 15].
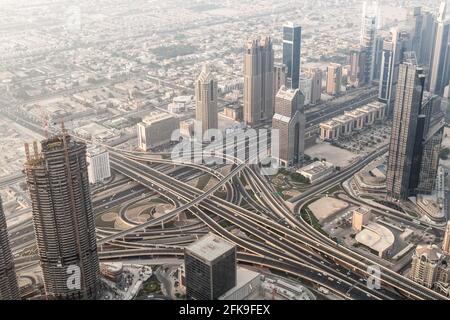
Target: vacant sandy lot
[337, 156]
[327, 207]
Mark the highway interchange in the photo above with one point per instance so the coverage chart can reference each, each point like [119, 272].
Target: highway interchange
[273, 235]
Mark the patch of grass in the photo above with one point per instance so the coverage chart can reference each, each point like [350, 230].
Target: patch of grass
[309, 217]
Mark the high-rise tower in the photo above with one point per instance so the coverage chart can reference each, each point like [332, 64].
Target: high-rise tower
[438, 57]
[289, 119]
[334, 78]
[258, 81]
[292, 38]
[9, 289]
[404, 157]
[206, 113]
[316, 84]
[369, 28]
[58, 184]
[390, 62]
[356, 72]
[446, 243]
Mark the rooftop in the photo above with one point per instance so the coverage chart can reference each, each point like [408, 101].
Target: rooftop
[243, 277]
[316, 167]
[331, 123]
[210, 247]
[287, 93]
[430, 252]
[156, 117]
[376, 237]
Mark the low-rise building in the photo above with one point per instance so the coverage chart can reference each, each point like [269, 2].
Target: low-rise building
[330, 130]
[346, 124]
[377, 238]
[248, 283]
[358, 118]
[351, 121]
[98, 165]
[360, 218]
[156, 130]
[187, 128]
[317, 171]
[234, 112]
[181, 104]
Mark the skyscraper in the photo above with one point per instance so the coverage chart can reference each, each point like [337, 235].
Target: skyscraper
[289, 119]
[401, 164]
[279, 78]
[305, 88]
[258, 81]
[9, 289]
[63, 217]
[429, 266]
[210, 268]
[390, 62]
[431, 143]
[446, 242]
[206, 114]
[356, 72]
[292, 37]
[378, 57]
[369, 27]
[334, 78]
[428, 35]
[316, 84]
[438, 58]
[415, 20]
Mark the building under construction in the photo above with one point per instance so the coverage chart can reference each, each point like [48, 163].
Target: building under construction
[58, 183]
[9, 289]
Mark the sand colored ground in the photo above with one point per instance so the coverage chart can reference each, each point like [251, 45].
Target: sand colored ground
[326, 207]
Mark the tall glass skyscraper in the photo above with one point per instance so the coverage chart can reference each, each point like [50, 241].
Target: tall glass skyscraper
[292, 38]
[9, 289]
[389, 71]
[407, 128]
[437, 67]
[368, 40]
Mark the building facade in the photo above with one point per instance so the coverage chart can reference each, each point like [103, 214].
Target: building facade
[431, 143]
[315, 74]
[403, 164]
[292, 38]
[446, 242]
[210, 268]
[279, 78]
[438, 58]
[390, 63]
[429, 266]
[206, 114]
[9, 288]
[306, 88]
[351, 121]
[156, 130]
[58, 184]
[334, 79]
[258, 81]
[356, 71]
[99, 168]
[369, 27]
[289, 119]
